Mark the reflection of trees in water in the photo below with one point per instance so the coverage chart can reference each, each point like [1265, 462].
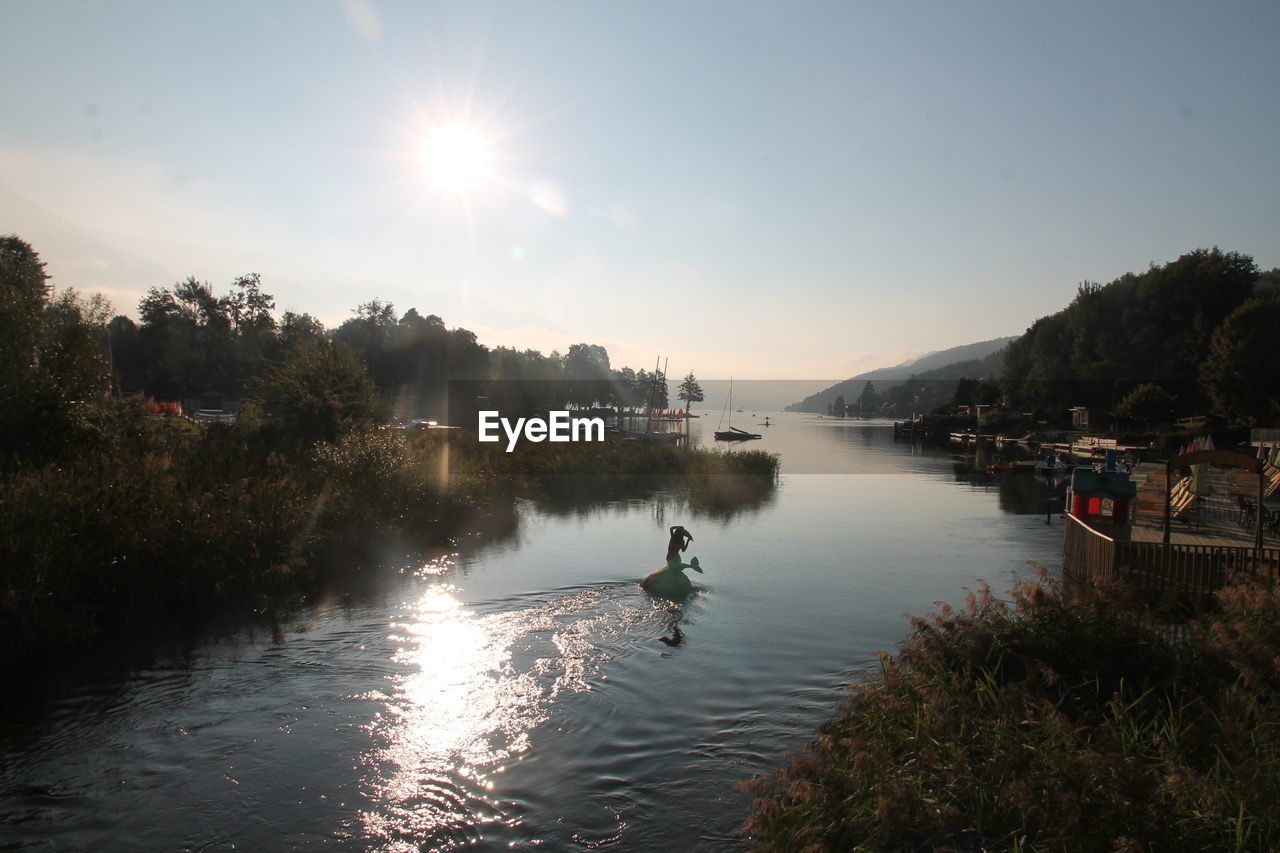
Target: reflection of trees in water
[718, 496]
[1019, 493]
[363, 567]
[1028, 494]
[973, 474]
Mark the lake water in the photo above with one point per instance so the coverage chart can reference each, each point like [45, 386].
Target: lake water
[520, 694]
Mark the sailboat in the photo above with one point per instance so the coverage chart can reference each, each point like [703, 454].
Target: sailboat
[733, 433]
[653, 414]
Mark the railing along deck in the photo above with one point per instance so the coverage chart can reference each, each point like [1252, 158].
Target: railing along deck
[1154, 568]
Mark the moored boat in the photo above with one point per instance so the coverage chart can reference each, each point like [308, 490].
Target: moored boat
[735, 434]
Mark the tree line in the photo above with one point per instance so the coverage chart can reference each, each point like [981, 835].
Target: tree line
[190, 341]
[1195, 336]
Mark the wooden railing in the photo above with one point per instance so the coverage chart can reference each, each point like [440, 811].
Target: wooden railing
[1192, 572]
[1087, 555]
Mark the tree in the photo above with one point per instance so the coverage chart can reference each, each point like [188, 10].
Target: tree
[370, 334]
[128, 362]
[55, 350]
[249, 308]
[651, 389]
[320, 391]
[975, 392]
[1242, 374]
[297, 330]
[24, 287]
[624, 389]
[1152, 327]
[1148, 402]
[838, 408]
[522, 383]
[587, 375]
[869, 399]
[253, 326]
[690, 392]
[188, 336]
[73, 347]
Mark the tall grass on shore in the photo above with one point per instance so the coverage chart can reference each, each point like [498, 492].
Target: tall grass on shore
[175, 519]
[1048, 725]
[155, 518]
[716, 480]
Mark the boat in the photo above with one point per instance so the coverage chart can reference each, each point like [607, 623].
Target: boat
[1051, 465]
[733, 433]
[655, 415]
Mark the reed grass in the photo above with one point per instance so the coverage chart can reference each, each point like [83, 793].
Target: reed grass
[152, 517]
[714, 480]
[1047, 724]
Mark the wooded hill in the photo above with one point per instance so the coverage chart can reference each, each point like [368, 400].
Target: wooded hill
[1196, 336]
[1192, 337]
[977, 360]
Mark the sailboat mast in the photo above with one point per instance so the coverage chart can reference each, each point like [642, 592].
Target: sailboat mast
[663, 386]
[728, 406]
[653, 388]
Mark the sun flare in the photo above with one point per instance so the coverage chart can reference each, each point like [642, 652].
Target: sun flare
[457, 158]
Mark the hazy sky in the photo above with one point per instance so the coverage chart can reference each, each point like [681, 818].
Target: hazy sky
[770, 190]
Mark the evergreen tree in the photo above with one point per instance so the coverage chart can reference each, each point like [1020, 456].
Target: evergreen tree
[869, 399]
[690, 392]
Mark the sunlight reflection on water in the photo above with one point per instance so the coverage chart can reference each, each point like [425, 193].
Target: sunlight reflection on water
[473, 688]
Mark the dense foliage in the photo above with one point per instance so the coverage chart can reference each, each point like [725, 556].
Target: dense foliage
[191, 344]
[194, 347]
[54, 347]
[114, 511]
[1048, 725]
[1242, 373]
[1154, 328]
[1191, 337]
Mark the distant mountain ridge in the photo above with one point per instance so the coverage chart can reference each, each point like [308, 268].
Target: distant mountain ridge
[975, 355]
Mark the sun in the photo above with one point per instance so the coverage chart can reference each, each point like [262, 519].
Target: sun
[457, 158]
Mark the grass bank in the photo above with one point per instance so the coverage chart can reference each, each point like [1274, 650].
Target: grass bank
[158, 519]
[1048, 725]
[714, 479]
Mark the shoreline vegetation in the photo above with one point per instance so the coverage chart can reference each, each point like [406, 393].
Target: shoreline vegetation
[1189, 338]
[158, 518]
[1055, 722]
[117, 514]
